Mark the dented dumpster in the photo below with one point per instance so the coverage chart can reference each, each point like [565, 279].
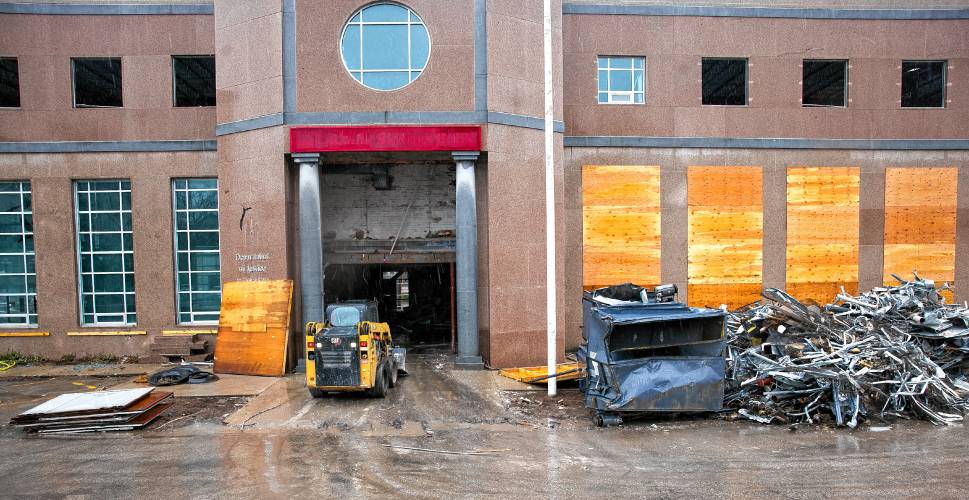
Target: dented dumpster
[645, 352]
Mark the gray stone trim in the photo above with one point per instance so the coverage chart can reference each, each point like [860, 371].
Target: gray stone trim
[480, 55]
[523, 121]
[107, 9]
[289, 56]
[256, 123]
[382, 117]
[763, 143]
[106, 146]
[792, 13]
[386, 117]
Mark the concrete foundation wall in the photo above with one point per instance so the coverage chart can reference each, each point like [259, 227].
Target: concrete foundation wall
[51, 177]
[673, 165]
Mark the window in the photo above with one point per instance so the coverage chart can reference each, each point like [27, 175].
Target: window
[403, 291]
[18, 277]
[344, 316]
[104, 252]
[724, 82]
[97, 82]
[9, 83]
[194, 81]
[622, 80]
[923, 84]
[824, 83]
[385, 46]
[197, 278]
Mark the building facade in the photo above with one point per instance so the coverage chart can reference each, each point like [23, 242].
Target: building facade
[395, 150]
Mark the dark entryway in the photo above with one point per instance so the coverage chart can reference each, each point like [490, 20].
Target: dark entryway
[415, 299]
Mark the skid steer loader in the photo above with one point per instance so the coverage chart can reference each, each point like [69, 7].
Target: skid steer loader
[352, 351]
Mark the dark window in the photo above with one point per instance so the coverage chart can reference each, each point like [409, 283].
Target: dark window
[97, 82]
[824, 83]
[923, 84]
[194, 80]
[9, 83]
[725, 82]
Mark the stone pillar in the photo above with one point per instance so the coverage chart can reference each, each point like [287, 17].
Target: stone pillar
[467, 261]
[310, 236]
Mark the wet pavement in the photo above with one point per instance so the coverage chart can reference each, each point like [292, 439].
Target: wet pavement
[285, 443]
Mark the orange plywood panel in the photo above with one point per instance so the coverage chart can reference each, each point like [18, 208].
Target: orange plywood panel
[620, 225]
[920, 223]
[822, 231]
[254, 327]
[726, 220]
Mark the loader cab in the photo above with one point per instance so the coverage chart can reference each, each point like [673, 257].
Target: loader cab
[349, 313]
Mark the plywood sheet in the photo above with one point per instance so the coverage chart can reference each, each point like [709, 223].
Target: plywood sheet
[726, 221]
[254, 327]
[920, 223]
[620, 225]
[822, 231]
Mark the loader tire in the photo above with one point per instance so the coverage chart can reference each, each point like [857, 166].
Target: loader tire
[392, 372]
[380, 385]
[316, 393]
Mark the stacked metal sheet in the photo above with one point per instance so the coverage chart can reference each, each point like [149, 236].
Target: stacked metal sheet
[120, 410]
[893, 352]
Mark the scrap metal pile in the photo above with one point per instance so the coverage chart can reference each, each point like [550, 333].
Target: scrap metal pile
[893, 352]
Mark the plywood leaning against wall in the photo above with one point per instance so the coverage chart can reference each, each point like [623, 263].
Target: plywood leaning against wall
[726, 235]
[620, 225]
[822, 231]
[254, 327]
[920, 224]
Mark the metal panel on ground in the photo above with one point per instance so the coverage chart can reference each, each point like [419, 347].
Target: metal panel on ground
[822, 231]
[726, 235]
[920, 224]
[620, 225]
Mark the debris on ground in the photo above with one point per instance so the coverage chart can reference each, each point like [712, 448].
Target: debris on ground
[182, 374]
[121, 410]
[540, 375]
[894, 352]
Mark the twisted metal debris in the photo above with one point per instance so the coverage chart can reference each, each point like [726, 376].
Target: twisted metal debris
[896, 351]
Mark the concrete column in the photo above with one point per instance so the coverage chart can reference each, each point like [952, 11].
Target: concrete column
[310, 236]
[467, 257]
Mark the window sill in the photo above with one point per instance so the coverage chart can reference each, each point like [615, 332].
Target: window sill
[622, 103]
[923, 107]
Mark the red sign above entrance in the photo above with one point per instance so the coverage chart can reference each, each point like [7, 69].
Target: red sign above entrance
[385, 138]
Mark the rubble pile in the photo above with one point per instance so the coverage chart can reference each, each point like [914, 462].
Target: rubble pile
[894, 352]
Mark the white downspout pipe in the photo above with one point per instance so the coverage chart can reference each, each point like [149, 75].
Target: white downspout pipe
[549, 202]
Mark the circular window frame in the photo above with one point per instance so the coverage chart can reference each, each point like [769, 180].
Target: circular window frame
[349, 72]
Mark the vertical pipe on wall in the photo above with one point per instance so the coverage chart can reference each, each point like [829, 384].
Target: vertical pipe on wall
[466, 223]
[549, 201]
[310, 236]
[454, 322]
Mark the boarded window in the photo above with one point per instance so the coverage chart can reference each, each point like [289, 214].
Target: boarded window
[824, 83]
[194, 80]
[9, 83]
[724, 82]
[923, 84]
[97, 82]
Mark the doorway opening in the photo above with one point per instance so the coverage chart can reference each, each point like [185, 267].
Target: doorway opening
[417, 300]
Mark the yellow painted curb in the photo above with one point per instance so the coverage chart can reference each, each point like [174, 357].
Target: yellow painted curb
[105, 334]
[172, 333]
[24, 334]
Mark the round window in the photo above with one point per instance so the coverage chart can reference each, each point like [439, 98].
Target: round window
[385, 46]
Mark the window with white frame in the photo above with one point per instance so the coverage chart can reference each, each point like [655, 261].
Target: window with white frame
[385, 46]
[18, 277]
[105, 252]
[197, 279]
[622, 80]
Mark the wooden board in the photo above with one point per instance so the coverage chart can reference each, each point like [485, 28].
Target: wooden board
[620, 225]
[822, 231]
[254, 327]
[920, 223]
[726, 234]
